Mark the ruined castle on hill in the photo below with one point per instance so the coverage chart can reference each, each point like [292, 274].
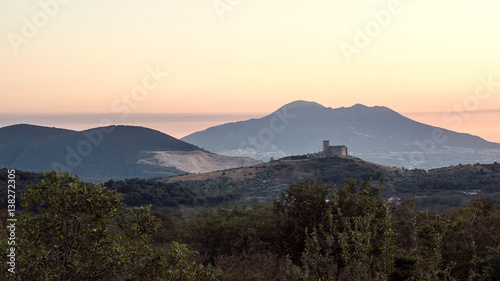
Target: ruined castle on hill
[333, 151]
[328, 152]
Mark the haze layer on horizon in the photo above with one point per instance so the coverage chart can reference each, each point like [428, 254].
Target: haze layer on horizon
[433, 61]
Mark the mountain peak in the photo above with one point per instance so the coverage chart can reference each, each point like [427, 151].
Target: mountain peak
[361, 108]
[302, 104]
[359, 105]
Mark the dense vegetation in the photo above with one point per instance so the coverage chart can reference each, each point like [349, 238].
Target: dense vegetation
[137, 192]
[72, 230]
[163, 194]
[315, 231]
[312, 231]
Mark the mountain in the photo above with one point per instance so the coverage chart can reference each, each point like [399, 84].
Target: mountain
[377, 134]
[114, 152]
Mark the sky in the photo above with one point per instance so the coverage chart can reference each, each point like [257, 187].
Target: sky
[180, 66]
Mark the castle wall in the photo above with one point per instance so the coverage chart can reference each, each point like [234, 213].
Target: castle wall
[337, 151]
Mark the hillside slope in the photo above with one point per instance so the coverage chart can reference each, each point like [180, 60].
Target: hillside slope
[435, 189]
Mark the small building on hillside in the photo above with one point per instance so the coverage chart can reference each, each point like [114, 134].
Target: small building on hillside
[333, 151]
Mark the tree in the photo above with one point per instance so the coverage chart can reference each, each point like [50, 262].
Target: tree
[350, 236]
[300, 210]
[475, 236]
[81, 231]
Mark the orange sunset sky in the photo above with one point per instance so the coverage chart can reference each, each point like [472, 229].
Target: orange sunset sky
[75, 63]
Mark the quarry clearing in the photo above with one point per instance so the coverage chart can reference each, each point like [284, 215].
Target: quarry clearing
[195, 162]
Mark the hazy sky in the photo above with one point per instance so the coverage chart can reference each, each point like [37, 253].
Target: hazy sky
[72, 63]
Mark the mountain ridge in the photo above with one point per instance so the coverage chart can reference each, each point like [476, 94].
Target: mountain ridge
[112, 152]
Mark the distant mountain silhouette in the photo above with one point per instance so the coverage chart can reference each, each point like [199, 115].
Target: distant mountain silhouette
[377, 134]
[99, 154]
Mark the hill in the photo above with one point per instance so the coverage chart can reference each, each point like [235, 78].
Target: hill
[99, 154]
[377, 134]
[435, 189]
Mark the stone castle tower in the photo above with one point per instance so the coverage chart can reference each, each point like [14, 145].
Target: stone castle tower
[326, 145]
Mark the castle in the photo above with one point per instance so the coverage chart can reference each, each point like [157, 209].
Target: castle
[328, 152]
[333, 151]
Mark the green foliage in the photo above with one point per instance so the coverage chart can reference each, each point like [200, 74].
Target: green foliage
[473, 233]
[160, 193]
[300, 210]
[348, 233]
[317, 263]
[80, 231]
[313, 231]
[237, 240]
[253, 266]
[355, 242]
[181, 266]
[366, 240]
[428, 251]
[455, 246]
[490, 265]
[228, 231]
[23, 179]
